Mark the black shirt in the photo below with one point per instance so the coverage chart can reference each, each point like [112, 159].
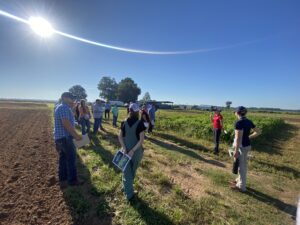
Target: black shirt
[131, 121]
[246, 125]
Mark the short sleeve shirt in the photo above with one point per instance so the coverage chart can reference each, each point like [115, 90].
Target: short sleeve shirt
[140, 128]
[245, 125]
[62, 111]
[217, 121]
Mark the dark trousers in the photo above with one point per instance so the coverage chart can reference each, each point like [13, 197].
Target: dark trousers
[67, 159]
[85, 126]
[217, 134]
[107, 113]
[115, 119]
[97, 124]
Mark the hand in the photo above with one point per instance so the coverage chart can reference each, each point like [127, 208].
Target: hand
[124, 150]
[78, 137]
[131, 153]
[236, 154]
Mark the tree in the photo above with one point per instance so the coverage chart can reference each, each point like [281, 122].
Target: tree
[146, 97]
[128, 91]
[108, 88]
[228, 104]
[78, 91]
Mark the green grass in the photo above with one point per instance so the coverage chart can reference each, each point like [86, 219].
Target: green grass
[162, 201]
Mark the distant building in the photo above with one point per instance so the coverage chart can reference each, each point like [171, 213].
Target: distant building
[159, 104]
[118, 103]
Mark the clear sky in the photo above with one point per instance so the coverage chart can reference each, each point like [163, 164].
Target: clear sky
[265, 72]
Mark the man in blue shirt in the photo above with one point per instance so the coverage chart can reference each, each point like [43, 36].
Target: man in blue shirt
[242, 145]
[64, 133]
[151, 111]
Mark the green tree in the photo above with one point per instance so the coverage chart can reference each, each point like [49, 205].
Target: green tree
[108, 88]
[78, 91]
[146, 97]
[128, 91]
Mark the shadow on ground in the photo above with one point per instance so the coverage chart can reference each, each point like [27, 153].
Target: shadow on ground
[182, 141]
[149, 215]
[280, 205]
[285, 170]
[87, 205]
[272, 144]
[190, 153]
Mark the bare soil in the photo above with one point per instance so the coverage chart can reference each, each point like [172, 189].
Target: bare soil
[29, 191]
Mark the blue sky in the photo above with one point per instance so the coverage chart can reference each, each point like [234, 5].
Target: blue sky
[264, 73]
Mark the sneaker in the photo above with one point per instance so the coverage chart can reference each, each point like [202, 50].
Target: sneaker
[235, 188]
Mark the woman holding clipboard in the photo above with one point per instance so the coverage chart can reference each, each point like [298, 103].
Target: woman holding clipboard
[131, 138]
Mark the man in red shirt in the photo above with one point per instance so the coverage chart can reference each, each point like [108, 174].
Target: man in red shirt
[217, 121]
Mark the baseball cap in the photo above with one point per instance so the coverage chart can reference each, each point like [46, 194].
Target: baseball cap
[241, 110]
[134, 107]
[68, 95]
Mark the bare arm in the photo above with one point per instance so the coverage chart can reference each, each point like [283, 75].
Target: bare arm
[120, 137]
[256, 133]
[238, 140]
[68, 126]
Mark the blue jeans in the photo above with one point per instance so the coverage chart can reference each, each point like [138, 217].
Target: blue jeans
[85, 126]
[115, 119]
[217, 134]
[67, 170]
[97, 124]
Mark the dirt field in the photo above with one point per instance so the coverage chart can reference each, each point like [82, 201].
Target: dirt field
[29, 192]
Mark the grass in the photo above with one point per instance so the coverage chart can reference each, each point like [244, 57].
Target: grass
[170, 161]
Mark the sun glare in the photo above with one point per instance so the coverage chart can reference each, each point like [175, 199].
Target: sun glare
[41, 27]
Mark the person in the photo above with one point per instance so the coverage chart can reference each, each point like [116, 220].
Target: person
[77, 113]
[98, 114]
[107, 110]
[131, 138]
[64, 133]
[84, 117]
[145, 117]
[115, 112]
[242, 145]
[128, 107]
[217, 121]
[151, 111]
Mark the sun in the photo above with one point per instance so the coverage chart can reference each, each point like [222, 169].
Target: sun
[41, 26]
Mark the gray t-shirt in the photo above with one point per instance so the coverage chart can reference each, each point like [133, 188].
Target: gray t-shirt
[97, 111]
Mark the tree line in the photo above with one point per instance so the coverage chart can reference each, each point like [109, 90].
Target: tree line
[126, 90]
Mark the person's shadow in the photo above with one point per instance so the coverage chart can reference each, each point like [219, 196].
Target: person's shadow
[149, 215]
[284, 207]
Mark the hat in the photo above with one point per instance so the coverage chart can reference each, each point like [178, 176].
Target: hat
[134, 107]
[241, 110]
[68, 95]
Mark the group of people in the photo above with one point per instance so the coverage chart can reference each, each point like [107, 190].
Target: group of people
[245, 130]
[132, 136]
[83, 115]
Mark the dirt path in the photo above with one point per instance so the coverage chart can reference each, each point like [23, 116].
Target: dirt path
[29, 192]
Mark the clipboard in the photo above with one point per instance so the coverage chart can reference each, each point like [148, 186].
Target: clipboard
[83, 142]
[121, 160]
